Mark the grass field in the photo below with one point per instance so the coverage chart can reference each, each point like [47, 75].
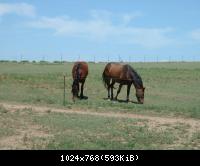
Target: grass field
[172, 90]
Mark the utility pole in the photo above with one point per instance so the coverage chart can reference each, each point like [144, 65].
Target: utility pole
[194, 58]
[21, 57]
[61, 58]
[169, 58]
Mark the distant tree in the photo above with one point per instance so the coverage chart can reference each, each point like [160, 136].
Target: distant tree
[14, 61]
[24, 61]
[43, 62]
[4, 61]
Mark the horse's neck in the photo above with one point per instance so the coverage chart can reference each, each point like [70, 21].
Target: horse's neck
[136, 82]
[136, 85]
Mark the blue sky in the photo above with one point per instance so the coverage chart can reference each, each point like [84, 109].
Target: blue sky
[133, 30]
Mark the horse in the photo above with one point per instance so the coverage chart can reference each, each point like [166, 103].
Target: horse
[123, 74]
[79, 75]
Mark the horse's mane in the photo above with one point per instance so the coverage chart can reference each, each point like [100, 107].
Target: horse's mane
[135, 76]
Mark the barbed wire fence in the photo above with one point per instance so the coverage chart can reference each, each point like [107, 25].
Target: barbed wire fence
[64, 57]
[132, 58]
[145, 59]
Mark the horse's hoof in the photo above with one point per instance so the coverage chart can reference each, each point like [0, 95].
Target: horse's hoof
[84, 97]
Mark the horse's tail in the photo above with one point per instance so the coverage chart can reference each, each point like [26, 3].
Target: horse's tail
[77, 73]
[76, 77]
[104, 78]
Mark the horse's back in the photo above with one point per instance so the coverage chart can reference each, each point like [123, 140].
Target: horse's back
[114, 70]
[83, 69]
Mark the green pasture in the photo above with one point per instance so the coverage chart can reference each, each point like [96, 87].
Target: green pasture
[172, 89]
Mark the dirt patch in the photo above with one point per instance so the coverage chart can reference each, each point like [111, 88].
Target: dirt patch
[26, 139]
[155, 119]
[30, 137]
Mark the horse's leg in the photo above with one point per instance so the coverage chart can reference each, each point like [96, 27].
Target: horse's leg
[128, 91]
[118, 91]
[82, 85]
[111, 86]
[78, 86]
[108, 87]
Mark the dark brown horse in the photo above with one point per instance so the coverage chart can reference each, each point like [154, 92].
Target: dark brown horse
[79, 74]
[124, 75]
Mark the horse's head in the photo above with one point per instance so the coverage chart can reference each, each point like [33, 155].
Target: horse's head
[140, 95]
[75, 89]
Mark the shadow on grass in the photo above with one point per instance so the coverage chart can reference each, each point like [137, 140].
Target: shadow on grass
[83, 98]
[122, 101]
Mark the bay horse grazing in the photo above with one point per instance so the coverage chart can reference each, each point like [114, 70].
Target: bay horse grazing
[79, 74]
[124, 75]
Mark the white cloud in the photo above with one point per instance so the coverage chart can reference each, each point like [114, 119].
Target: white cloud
[195, 34]
[128, 17]
[149, 37]
[23, 9]
[94, 28]
[102, 27]
[124, 18]
[101, 14]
